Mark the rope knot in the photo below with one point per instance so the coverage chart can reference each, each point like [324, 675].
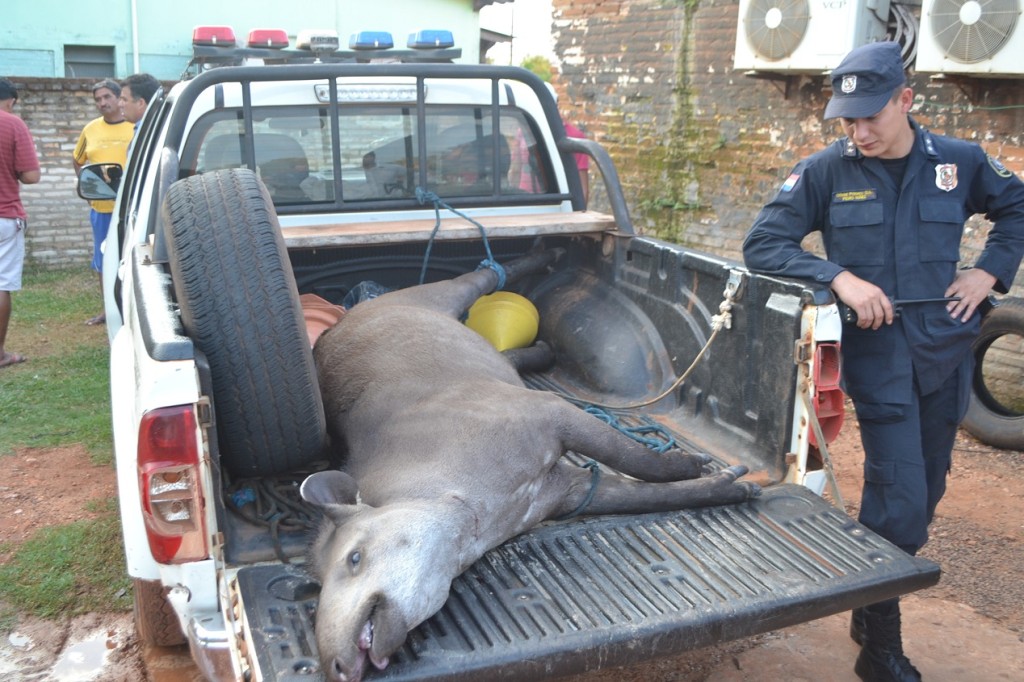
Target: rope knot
[425, 195]
[724, 316]
[490, 263]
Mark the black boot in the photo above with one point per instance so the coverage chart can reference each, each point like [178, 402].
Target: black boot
[881, 658]
[857, 626]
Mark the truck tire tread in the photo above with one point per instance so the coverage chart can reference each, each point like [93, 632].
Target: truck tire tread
[155, 620]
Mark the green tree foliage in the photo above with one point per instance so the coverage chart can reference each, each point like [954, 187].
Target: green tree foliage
[540, 66]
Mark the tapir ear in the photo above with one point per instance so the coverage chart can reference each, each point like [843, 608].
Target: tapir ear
[326, 488]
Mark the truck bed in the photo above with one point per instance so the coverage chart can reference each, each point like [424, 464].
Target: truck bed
[599, 592]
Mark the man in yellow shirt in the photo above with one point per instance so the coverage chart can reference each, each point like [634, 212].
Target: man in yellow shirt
[103, 140]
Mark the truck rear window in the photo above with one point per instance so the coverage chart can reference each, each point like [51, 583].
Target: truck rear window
[377, 153]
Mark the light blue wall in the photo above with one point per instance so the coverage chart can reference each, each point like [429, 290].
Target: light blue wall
[33, 34]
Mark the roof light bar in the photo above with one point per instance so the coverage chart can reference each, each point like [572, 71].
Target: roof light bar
[213, 36]
[371, 40]
[431, 39]
[322, 40]
[274, 38]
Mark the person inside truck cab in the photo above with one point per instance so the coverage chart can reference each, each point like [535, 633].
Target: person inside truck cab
[890, 200]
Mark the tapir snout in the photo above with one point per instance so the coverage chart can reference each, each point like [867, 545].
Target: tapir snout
[382, 570]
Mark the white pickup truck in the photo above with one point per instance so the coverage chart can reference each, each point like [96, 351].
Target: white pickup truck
[379, 176]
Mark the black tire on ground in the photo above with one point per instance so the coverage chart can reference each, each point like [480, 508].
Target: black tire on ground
[155, 620]
[988, 419]
[240, 305]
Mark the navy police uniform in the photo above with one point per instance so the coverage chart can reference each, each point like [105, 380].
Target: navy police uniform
[909, 381]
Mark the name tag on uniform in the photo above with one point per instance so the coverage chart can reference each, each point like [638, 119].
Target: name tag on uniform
[854, 195]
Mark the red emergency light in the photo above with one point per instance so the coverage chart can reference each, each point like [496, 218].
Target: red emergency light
[275, 38]
[213, 36]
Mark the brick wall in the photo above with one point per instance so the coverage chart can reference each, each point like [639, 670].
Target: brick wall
[55, 111]
[701, 147]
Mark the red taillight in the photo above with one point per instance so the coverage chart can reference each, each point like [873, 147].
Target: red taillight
[172, 500]
[268, 37]
[213, 36]
[828, 397]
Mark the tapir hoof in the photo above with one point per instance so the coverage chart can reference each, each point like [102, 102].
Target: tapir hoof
[752, 489]
[674, 465]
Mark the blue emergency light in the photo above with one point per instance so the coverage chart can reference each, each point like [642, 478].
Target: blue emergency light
[371, 40]
[431, 39]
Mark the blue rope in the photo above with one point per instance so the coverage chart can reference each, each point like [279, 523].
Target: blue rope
[595, 478]
[423, 196]
[662, 441]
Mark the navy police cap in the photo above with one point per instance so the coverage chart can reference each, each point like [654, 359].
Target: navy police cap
[865, 80]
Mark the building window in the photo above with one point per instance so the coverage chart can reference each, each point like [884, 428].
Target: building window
[88, 61]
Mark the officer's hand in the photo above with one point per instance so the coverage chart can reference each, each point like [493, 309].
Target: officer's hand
[870, 303]
[972, 286]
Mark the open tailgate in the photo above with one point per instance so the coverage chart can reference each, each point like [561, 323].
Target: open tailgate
[600, 592]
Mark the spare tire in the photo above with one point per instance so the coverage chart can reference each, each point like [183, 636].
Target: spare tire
[240, 306]
[995, 414]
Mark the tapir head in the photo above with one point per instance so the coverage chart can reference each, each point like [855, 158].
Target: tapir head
[383, 571]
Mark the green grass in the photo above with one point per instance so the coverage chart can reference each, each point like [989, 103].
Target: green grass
[61, 396]
[68, 570]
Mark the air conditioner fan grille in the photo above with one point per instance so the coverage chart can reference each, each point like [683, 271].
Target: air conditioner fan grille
[774, 28]
[971, 31]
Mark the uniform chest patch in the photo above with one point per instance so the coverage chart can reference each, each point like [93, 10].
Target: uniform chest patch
[854, 195]
[945, 176]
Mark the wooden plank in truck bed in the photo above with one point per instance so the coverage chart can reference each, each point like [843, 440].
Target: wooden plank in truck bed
[452, 227]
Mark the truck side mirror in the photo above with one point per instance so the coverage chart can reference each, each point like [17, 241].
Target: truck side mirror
[99, 181]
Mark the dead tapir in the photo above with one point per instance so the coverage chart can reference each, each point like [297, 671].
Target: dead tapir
[449, 455]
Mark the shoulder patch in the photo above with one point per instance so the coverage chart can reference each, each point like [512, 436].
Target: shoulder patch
[790, 182]
[1001, 170]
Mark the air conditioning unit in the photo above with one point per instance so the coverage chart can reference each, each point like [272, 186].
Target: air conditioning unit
[801, 36]
[971, 37]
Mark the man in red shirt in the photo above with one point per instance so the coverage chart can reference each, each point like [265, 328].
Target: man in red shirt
[19, 164]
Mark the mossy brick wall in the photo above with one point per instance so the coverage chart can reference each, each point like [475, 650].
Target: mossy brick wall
[699, 146]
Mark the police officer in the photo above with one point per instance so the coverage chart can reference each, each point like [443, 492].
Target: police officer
[890, 200]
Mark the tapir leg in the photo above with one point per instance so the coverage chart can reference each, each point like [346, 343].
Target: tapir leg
[535, 358]
[454, 296]
[591, 437]
[612, 494]
[451, 296]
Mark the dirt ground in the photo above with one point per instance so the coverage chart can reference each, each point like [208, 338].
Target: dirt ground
[968, 627]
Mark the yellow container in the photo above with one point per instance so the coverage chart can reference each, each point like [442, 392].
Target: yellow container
[505, 319]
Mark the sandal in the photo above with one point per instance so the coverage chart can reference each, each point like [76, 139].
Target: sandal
[11, 359]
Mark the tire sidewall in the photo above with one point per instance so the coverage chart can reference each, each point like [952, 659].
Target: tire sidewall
[985, 420]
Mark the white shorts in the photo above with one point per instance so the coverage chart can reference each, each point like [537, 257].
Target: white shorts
[12, 253]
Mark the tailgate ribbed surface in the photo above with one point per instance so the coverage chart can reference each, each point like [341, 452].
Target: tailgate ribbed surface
[605, 591]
